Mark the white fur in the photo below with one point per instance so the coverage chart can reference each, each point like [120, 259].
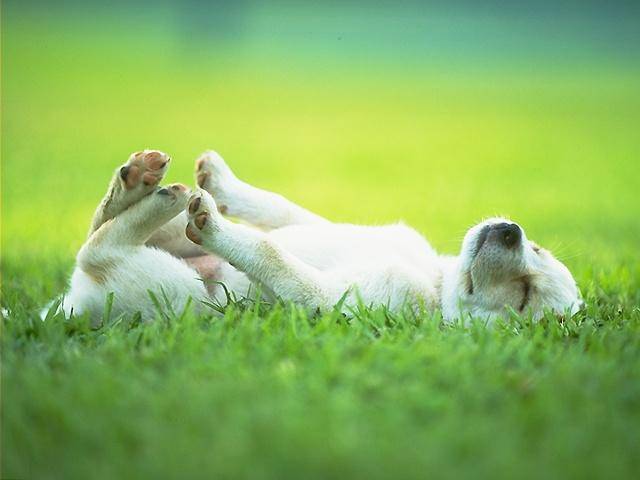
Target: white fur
[293, 254]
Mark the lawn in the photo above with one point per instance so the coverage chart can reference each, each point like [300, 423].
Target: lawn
[271, 391]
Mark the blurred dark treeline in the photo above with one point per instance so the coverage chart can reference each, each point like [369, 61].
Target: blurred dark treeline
[490, 31]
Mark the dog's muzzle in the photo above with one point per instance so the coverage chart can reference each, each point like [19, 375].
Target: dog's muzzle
[509, 235]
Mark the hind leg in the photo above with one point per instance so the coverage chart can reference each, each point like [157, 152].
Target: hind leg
[171, 238]
[136, 224]
[115, 259]
[260, 257]
[238, 199]
[235, 198]
[131, 182]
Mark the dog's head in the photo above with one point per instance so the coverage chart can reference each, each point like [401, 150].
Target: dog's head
[499, 269]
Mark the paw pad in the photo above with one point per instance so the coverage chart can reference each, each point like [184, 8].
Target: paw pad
[173, 190]
[202, 179]
[194, 205]
[146, 167]
[201, 220]
[210, 166]
[130, 175]
[203, 217]
[193, 235]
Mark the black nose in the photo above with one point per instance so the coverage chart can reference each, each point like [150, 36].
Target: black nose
[508, 233]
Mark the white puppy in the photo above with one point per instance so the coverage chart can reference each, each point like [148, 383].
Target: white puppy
[137, 249]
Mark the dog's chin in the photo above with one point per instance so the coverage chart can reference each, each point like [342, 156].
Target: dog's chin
[493, 246]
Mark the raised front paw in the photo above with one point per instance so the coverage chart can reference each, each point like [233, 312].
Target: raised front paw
[144, 170]
[203, 216]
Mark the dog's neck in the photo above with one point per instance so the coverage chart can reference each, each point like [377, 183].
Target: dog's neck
[450, 278]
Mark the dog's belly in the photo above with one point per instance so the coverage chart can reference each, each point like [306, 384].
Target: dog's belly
[330, 246]
[359, 255]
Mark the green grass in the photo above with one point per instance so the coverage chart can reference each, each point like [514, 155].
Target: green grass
[271, 392]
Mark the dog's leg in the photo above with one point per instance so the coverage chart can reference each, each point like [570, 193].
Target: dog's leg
[171, 237]
[238, 199]
[114, 260]
[137, 223]
[131, 182]
[256, 254]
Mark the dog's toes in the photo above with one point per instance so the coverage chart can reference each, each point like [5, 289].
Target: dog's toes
[130, 175]
[201, 201]
[201, 179]
[193, 234]
[144, 169]
[173, 193]
[211, 170]
[201, 220]
[179, 187]
[150, 179]
[195, 227]
[175, 189]
[194, 203]
[203, 214]
[202, 173]
[215, 176]
[154, 159]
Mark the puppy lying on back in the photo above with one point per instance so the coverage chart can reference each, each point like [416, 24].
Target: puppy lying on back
[166, 240]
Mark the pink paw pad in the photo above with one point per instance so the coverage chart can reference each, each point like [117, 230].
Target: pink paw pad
[147, 166]
[201, 220]
[194, 205]
[193, 235]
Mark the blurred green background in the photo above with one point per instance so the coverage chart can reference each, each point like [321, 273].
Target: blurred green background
[437, 113]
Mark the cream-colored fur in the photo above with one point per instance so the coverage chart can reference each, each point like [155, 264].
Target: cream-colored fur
[137, 245]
